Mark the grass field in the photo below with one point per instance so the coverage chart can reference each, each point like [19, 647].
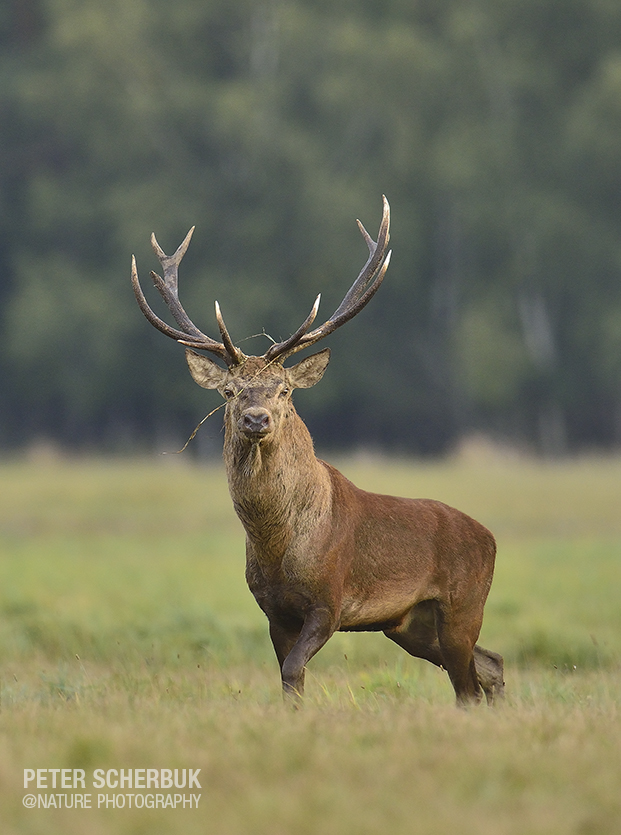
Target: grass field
[129, 640]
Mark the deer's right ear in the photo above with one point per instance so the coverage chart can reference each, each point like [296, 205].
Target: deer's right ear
[204, 371]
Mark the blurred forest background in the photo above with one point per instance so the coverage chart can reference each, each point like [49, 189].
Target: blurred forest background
[493, 126]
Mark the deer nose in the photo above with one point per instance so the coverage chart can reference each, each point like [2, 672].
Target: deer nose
[256, 421]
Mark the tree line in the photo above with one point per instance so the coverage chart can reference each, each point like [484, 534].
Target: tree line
[493, 126]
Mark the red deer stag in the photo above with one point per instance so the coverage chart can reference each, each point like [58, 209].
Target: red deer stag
[321, 554]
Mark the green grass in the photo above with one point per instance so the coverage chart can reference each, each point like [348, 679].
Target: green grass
[128, 639]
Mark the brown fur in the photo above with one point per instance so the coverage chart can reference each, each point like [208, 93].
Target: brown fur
[323, 555]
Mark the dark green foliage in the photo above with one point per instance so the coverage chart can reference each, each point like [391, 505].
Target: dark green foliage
[494, 128]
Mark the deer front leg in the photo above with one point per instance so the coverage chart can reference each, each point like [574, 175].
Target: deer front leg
[283, 640]
[295, 652]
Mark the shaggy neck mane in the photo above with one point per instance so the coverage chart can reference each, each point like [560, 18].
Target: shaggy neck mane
[277, 485]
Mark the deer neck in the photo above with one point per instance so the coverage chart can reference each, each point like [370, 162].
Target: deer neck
[281, 492]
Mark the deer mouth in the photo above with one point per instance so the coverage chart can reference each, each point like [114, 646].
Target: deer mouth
[256, 436]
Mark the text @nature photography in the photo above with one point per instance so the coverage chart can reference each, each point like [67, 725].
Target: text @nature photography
[124, 788]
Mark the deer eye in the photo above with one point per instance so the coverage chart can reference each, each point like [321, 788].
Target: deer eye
[228, 393]
[284, 392]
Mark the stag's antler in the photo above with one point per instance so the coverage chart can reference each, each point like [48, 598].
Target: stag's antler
[359, 294]
[168, 289]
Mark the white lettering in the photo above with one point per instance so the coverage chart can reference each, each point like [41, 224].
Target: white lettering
[138, 778]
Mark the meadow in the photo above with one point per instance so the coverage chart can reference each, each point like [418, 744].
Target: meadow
[128, 640]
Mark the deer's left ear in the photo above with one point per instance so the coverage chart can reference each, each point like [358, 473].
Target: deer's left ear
[310, 370]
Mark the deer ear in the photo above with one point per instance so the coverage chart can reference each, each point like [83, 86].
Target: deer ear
[204, 371]
[310, 370]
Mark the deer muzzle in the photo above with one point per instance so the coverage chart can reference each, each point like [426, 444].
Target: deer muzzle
[256, 423]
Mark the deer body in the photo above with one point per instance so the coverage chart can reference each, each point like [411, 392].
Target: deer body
[323, 555]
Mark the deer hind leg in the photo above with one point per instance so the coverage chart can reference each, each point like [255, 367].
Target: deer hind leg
[457, 634]
[429, 633]
[419, 637]
[490, 672]
[418, 634]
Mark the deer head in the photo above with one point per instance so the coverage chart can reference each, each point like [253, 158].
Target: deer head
[258, 394]
[258, 388]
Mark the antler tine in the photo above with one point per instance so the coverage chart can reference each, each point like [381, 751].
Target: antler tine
[359, 294]
[283, 348]
[168, 289]
[149, 314]
[368, 272]
[235, 353]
